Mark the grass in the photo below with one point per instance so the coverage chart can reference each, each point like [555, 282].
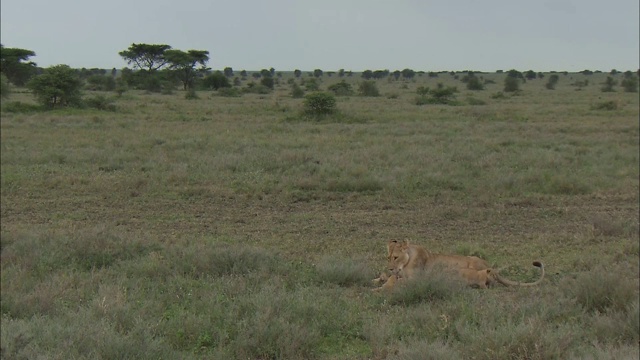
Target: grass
[220, 228]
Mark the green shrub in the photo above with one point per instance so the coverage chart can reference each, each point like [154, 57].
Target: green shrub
[368, 88]
[253, 88]
[608, 85]
[57, 86]
[229, 92]
[422, 90]
[511, 84]
[630, 84]
[311, 84]
[267, 82]
[440, 95]
[474, 83]
[215, 81]
[319, 103]
[296, 91]
[341, 89]
[552, 81]
[100, 102]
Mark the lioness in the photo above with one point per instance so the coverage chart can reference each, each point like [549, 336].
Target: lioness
[406, 260]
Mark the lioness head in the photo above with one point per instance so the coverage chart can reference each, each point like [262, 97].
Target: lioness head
[398, 255]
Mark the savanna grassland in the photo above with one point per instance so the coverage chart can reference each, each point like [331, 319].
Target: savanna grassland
[237, 228]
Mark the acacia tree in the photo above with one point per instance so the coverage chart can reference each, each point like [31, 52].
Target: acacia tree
[184, 64]
[15, 64]
[148, 57]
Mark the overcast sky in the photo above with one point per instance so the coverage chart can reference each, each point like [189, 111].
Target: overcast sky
[483, 35]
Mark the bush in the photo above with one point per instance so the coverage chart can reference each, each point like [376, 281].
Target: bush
[440, 95]
[100, 102]
[267, 82]
[341, 89]
[474, 83]
[296, 91]
[319, 103]
[253, 88]
[511, 84]
[216, 81]
[608, 85]
[311, 85]
[552, 81]
[422, 90]
[630, 84]
[368, 88]
[229, 92]
[58, 86]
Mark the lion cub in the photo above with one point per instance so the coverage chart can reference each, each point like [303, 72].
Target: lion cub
[479, 278]
[387, 281]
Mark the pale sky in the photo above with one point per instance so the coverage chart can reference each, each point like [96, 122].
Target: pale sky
[482, 35]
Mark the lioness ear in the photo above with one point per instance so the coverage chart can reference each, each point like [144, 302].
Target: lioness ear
[405, 243]
[488, 271]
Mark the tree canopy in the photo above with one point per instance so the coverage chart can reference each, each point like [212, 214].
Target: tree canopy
[15, 64]
[184, 64]
[148, 57]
